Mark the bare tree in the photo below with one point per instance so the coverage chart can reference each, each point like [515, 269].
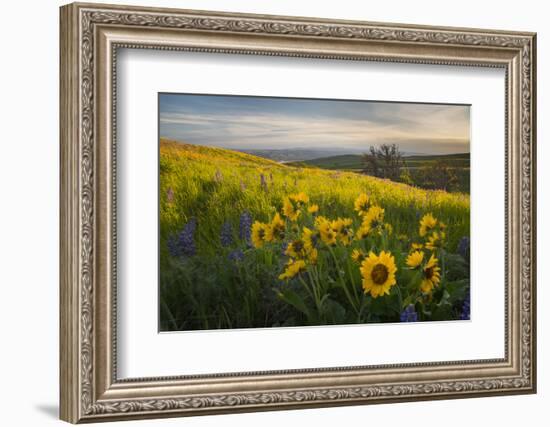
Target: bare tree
[384, 161]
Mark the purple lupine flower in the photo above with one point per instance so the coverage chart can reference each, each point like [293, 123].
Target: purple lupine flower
[409, 314]
[465, 314]
[464, 247]
[173, 247]
[245, 226]
[186, 238]
[236, 256]
[226, 234]
[183, 243]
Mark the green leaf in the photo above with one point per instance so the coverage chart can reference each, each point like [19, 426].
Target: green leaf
[295, 300]
[334, 311]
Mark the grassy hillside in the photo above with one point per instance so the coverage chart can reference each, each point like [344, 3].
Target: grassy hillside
[224, 183]
[353, 163]
[206, 192]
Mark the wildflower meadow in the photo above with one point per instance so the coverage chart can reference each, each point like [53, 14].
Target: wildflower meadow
[246, 242]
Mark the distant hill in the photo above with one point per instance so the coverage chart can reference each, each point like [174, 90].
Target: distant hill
[354, 162]
[293, 154]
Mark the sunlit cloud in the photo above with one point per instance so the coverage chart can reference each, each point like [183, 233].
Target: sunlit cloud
[277, 123]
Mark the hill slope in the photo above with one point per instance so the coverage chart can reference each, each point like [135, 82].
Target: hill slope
[219, 184]
[354, 162]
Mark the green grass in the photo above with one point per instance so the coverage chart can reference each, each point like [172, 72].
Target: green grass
[215, 186]
[460, 163]
[354, 162]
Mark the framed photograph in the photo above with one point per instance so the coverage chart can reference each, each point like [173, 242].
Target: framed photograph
[266, 212]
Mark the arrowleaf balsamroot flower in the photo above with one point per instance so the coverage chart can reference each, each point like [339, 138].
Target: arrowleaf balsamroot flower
[293, 268]
[435, 240]
[276, 229]
[427, 223]
[416, 246]
[415, 259]
[259, 233]
[342, 228]
[311, 239]
[431, 275]
[328, 235]
[358, 256]
[362, 204]
[373, 220]
[313, 209]
[289, 210]
[378, 273]
[300, 198]
[296, 249]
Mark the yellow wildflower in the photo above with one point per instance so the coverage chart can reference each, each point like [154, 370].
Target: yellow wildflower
[293, 267]
[296, 249]
[415, 259]
[435, 240]
[313, 209]
[431, 275]
[300, 198]
[328, 235]
[259, 232]
[289, 210]
[312, 256]
[276, 229]
[362, 204]
[378, 273]
[311, 239]
[358, 256]
[342, 227]
[416, 246]
[362, 232]
[427, 223]
[372, 220]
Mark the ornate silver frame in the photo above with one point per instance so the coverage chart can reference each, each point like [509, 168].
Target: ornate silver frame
[90, 36]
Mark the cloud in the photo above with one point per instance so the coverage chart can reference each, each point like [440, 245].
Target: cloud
[320, 124]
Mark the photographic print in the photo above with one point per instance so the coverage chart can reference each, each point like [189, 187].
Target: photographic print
[281, 212]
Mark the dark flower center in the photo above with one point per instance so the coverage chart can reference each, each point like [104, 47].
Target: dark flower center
[279, 231]
[298, 246]
[314, 239]
[379, 274]
[429, 272]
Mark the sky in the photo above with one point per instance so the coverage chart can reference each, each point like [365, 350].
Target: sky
[240, 122]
